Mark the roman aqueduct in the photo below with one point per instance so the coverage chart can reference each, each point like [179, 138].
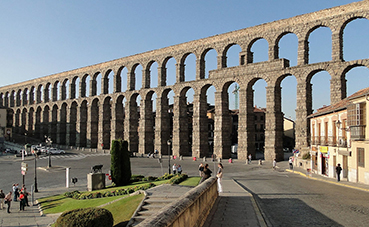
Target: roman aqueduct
[51, 106]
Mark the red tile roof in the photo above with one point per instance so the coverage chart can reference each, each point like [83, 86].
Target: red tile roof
[341, 104]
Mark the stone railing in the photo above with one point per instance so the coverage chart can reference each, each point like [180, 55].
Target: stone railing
[191, 209]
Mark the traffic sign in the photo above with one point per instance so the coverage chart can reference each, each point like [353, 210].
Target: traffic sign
[24, 164]
[23, 172]
[24, 169]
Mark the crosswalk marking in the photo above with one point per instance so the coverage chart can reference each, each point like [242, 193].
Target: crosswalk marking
[73, 156]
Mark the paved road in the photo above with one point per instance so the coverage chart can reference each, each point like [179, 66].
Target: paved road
[291, 200]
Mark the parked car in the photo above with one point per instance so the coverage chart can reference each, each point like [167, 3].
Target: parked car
[55, 151]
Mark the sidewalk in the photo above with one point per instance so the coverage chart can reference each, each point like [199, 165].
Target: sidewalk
[31, 216]
[232, 204]
[344, 182]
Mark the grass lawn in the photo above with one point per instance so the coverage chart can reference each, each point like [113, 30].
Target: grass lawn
[191, 181]
[123, 209]
[60, 203]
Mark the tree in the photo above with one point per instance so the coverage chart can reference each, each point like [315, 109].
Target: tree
[120, 163]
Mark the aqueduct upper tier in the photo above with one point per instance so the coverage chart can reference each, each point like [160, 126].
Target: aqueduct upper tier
[67, 106]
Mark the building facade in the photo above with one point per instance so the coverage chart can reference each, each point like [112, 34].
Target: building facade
[339, 136]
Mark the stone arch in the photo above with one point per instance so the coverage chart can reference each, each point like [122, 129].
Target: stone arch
[72, 124]
[85, 86]
[118, 117]
[322, 24]
[108, 82]
[75, 87]
[54, 123]
[31, 97]
[47, 92]
[45, 122]
[165, 81]
[151, 80]
[135, 78]
[343, 78]
[121, 81]
[2, 99]
[163, 121]
[17, 120]
[250, 54]
[132, 122]
[225, 57]
[25, 96]
[18, 97]
[24, 125]
[62, 132]
[277, 46]
[39, 93]
[203, 63]
[55, 91]
[38, 122]
[30, 122]
[64, 89]
[95, 84]
[93, 121]
[309, 89]
[82, 128]
[106, 122]
[146, 124]
[183, 70]
[342, 28]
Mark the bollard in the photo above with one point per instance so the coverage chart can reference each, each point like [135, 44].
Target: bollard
[181, 157]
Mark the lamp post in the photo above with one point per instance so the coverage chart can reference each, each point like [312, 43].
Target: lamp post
[169, 142]
[36, 190]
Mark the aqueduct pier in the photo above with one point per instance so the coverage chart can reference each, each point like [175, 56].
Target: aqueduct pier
[51, 106]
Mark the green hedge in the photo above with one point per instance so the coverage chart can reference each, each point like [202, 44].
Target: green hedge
[85, 217]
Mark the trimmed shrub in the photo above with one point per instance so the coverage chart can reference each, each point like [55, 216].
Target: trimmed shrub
[178, 178]
[85, 217]
[120, 163]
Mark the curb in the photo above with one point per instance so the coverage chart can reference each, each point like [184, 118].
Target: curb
[259, 214]
[327, 181]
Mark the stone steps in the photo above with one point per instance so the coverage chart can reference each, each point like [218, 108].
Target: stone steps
[156, 199]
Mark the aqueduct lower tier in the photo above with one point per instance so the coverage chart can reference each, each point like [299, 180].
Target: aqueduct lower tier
[41, 106]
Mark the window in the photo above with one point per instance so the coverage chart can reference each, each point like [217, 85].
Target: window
[360, 157]
[356, 114]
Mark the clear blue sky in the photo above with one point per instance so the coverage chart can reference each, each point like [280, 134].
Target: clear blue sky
[39, 38]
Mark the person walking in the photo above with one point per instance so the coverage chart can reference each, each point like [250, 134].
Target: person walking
[274, 164]
[219, 176]
[250, 158]
[291, 162]
[22, 201]
[2, 199]
[15, 192]
[26, 194]
[201, 169]
[174, 168]
[8, 200]
[206, 173]
[179, 169]
[338, 171]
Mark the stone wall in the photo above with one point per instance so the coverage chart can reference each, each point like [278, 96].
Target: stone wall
[189, 210]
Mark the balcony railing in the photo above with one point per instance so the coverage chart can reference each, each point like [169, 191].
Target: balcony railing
[357, 132]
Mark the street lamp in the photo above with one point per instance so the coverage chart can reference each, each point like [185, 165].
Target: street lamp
[36, 190]
[169, 142]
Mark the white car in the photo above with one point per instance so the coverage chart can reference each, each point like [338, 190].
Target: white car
[55, 151]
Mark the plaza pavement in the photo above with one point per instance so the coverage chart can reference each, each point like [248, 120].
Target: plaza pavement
[234, 207]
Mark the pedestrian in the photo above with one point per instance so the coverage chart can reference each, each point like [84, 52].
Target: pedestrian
[179, 169]
[250, 158]
[219, 176]
[174, 168]
[8, 200]
[206, 173]
[26, 194]
[338, 171]
[22, 201]
[2, 199]
[201, 169]
[274, 164]
[291, 162]
[15, 192]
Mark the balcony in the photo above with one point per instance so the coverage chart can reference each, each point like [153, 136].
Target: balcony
[342, 142]
[357, 132]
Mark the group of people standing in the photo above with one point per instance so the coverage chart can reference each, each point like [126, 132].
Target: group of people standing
[177, 169]
[15, 195]
[205, 173]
